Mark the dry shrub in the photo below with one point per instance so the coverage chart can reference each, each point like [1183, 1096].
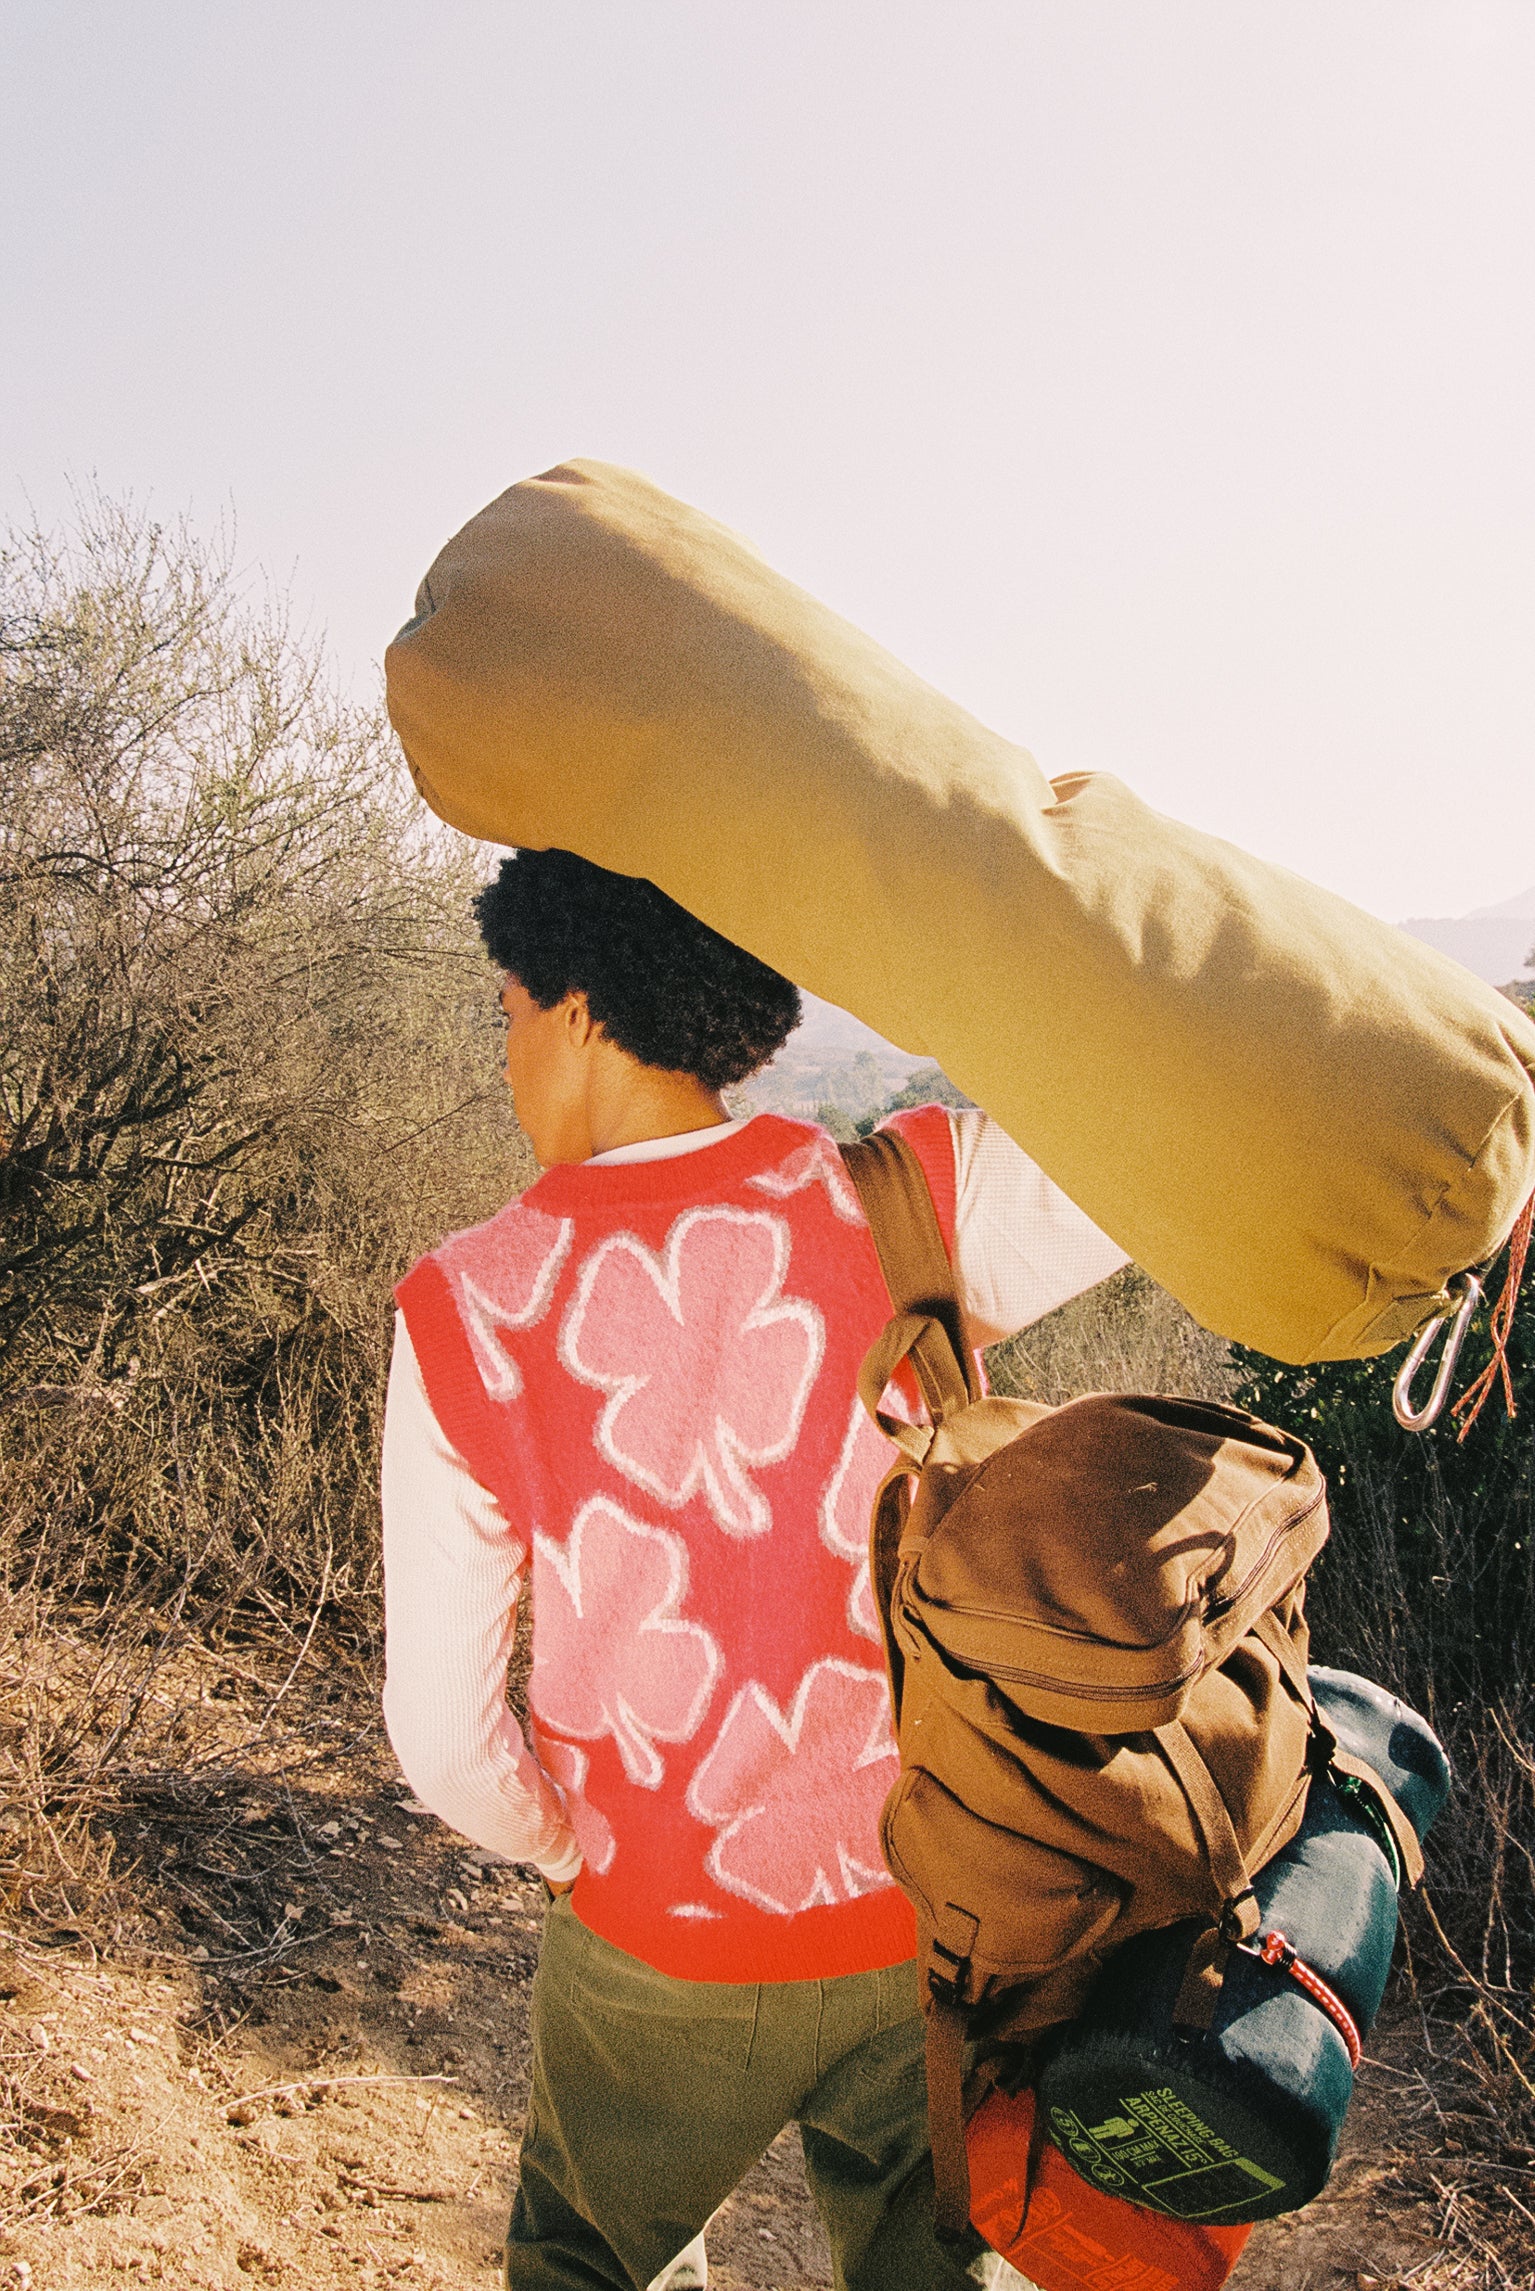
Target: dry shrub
[245, 1015]
[1416, 1611]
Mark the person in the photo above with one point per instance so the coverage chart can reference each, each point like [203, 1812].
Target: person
[636, 1386]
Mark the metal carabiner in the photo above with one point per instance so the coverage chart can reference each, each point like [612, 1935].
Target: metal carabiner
[1468, 1291]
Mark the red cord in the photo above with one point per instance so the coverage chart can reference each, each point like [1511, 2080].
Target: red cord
[1275, 1950]
[1502, 1326]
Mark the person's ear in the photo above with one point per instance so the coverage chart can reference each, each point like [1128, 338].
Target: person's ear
[580, 1025]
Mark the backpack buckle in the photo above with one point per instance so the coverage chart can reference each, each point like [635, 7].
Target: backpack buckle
[1321, 1742]
[948, 1964]
[1240, 1918]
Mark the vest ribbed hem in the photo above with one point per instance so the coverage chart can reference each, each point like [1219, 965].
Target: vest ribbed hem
[748, 1944]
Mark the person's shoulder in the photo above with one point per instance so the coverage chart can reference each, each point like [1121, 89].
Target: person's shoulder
[523, 1209]
[930, 1121]
[774, 1129]
[929, 1132]
[786, 1153]
[933, 1133]
[520, 1228]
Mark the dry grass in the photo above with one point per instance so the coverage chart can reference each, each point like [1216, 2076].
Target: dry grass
[1127, 1335]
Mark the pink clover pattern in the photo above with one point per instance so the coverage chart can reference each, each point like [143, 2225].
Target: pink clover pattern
[817, 1163]
[612, 1654]
[847, 1502]
[796, 1794]
[516, 1260]
[707, 1365]
[566, 1765]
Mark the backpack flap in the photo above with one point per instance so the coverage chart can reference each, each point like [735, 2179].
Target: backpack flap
[908, 1504]
[1097, 1564]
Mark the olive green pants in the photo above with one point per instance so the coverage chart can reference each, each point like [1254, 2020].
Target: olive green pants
[652, 2097]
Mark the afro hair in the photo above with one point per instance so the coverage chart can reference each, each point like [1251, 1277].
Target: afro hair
[662, 985]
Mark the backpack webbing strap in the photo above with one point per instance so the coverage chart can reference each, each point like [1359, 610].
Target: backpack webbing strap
[1408, 1845]
[1322, 1745]
[946, 2118]
[1223, 1848]
[924, 1341]
[904, 1225]
[1337, 1760]
[925, 1328]
[1239, 1919]
[1282, 1647]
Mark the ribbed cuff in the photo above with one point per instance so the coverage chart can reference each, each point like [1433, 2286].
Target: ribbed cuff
[564, 1871]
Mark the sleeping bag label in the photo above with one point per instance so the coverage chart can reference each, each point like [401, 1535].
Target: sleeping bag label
[1153, 2149]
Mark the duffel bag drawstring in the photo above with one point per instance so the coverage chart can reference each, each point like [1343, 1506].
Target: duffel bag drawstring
[1502, 1327]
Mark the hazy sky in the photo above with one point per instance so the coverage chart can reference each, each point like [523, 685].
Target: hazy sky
[1156, 378]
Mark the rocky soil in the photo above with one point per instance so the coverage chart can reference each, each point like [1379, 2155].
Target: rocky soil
[301, 2057]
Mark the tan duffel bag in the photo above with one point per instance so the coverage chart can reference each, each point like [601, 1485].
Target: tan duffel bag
[1297, 1119]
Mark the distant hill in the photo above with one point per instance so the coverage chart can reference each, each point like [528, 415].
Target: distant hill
[827, 1031]
[1495, 942]
[1521, 907]
[831, 1059]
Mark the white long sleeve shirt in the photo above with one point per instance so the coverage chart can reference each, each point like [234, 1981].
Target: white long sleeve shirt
[454, 1563]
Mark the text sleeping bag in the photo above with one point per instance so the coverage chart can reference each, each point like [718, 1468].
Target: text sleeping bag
[1299, 1120]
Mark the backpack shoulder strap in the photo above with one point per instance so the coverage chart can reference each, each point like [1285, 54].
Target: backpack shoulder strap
[1237, 1916]
[925, 1328]
[904, 1226]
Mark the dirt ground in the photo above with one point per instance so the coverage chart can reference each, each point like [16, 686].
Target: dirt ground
[301, 2058]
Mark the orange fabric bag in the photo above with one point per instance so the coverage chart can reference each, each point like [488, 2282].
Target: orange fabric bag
[1067, 2236]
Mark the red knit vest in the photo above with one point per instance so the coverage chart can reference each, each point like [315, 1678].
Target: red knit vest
[653, 1367]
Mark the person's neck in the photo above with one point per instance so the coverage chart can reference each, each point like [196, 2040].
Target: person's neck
[653, 1105]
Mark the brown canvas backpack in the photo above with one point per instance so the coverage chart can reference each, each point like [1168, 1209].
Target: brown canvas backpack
[1095, 1627]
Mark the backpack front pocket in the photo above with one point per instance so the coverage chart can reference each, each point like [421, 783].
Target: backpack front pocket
[1033, 1909]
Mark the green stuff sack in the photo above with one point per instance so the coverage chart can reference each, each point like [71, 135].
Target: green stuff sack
[1300, 1121]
